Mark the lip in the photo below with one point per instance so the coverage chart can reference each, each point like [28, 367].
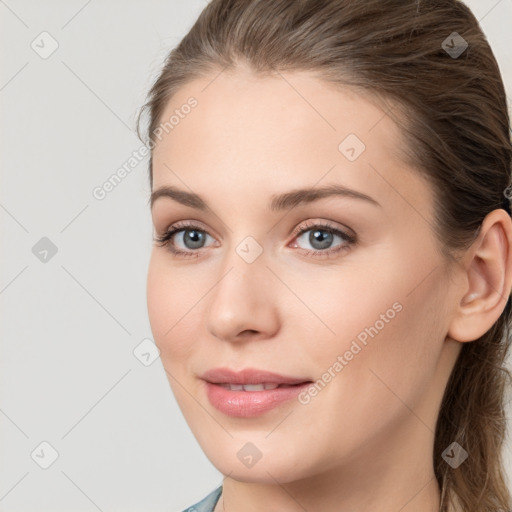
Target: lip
[246, 404]
[249, 376]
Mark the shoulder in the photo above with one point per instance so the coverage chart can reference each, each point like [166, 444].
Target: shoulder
[208, 503]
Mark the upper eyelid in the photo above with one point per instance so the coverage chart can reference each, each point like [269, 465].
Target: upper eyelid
[301, 227]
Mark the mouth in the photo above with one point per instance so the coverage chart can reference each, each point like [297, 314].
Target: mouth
[250, 392]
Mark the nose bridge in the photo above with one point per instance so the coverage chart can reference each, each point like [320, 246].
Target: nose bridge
[242, 299]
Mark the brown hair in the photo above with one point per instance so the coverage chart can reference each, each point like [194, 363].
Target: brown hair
[453, 112]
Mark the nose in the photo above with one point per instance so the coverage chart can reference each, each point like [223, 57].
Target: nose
[243, 303]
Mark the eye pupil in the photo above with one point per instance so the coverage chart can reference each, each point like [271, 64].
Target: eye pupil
[194, 237]
[321, 237]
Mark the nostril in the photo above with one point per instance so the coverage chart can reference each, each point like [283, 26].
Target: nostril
[248, 332]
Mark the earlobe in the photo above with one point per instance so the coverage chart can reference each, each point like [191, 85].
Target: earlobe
[488, 279]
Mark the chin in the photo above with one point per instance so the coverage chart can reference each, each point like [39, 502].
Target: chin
[274, 464]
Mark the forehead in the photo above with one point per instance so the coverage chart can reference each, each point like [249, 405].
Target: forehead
[240, 102]
[278, 130]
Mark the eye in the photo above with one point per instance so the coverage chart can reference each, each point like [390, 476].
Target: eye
[191, 238]
[321, 238]
[185, 239]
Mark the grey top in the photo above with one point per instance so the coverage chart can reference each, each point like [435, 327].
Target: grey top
[206, 504]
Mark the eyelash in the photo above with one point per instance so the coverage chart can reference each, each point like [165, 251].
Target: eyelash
[164, 240]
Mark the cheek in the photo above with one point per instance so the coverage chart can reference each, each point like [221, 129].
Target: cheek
[159, 300]
[170, 300]
[349, 305]
[376, 320]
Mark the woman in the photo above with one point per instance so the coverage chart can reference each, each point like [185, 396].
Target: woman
[329, 287]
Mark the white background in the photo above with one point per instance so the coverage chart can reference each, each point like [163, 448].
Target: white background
[69, 326]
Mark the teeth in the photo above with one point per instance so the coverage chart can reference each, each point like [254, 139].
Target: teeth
[249, 387]
[259, 387]
[235, 387]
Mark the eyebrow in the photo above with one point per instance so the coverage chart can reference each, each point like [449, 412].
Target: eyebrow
[278, 202]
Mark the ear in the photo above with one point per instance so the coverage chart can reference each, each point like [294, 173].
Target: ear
[487, 268]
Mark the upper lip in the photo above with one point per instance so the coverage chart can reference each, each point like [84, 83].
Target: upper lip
[249, 376]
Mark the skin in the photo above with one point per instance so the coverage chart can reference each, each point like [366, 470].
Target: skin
[365, 441]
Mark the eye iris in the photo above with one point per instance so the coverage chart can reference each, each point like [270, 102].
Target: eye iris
[323, 238]
[193, 239]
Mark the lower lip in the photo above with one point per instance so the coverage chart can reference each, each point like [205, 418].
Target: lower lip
[246, 404]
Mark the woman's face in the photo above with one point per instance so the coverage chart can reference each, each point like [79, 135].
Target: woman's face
[358, 304]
